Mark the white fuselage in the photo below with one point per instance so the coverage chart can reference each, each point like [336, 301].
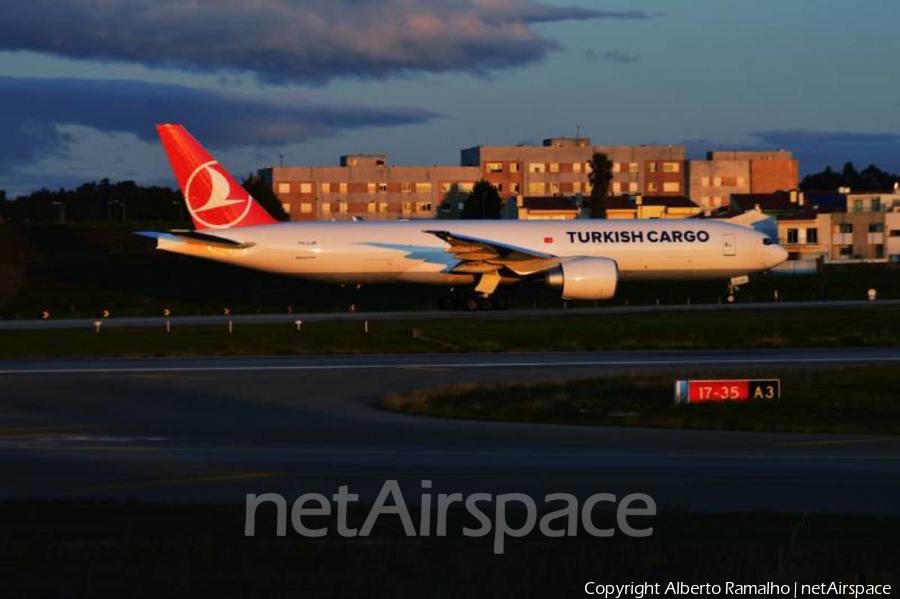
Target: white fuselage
[401, 251]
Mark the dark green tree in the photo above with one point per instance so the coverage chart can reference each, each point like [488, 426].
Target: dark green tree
[263, 193]
[600, 178]
[483, 202]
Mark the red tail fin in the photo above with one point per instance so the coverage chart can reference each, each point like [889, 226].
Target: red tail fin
[214, 199]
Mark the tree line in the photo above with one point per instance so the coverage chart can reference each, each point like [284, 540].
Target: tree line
[870, 178]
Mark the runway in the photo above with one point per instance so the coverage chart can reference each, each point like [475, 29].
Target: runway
[182, 320]
[215, 429]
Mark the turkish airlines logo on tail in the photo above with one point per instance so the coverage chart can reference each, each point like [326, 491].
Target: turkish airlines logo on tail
[211, 199]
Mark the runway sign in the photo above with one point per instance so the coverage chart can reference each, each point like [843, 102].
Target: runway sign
[715, 391]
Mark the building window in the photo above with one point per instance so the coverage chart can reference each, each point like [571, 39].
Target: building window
[423, 207]
[406, 187]
[876, 228]
[717, 181]
[617, 167]
[793, 235]
[514, 167]
[846, 250]
[704, 182]
[494, 167]
[845, 228]
[633, 187]
[894, 233]
[554, 188]
[284, 188]
[536, 167]
[514, 188]
[537, 188]
[671, 187]
[741, 181]
[554, 167]
[632, 167]
[717, 201]
[382, 188]
[342, 187]
[576, 167]
[857, 205]
[879, 250]
[876, 204]
[671, 167]
[326, 187]
[326, 208]
[651, 186]
[466, 187]
[382, 207]
[576, 187]
[812, 235]
[306, 208]
[616, 187]
[370, 188]
[306, 188]
[407, 207]
[423, 187]
[342, 206]
[651, 167]
[371, 207]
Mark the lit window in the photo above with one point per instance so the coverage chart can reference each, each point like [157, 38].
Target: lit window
[326, 208]
[632, 167]
[514, 167]
[284, 188]
[406, 187]
[342, 187]
[494, 167]
[616, 187]
[306, 188]
[671, 187]
[576, 187]
[306, 208]
[671, 167]
[370, 207]
[651, 166]
[466, 187]
[514, 187]
[326, 187]
[651, 186]
[538, 188]
[382, 207]
[554, 167]
[617, 167]
[382, 188]
[423, 187]
[633, 187]
[704, 181]
[717, 182]
[554, 188]
[407, 207]
[536, 167]
[423, 207]
[576, 167]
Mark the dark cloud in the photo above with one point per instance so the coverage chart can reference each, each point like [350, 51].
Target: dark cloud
[818, 149]
[34, 110]
[610, 55]
[292, 40]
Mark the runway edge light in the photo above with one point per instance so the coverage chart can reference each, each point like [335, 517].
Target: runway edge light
[726, 390]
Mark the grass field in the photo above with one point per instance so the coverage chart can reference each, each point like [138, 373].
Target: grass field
[864, 399]
[871, 326]
[97, 549]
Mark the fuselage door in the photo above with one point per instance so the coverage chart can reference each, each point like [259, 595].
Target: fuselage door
[729, 245]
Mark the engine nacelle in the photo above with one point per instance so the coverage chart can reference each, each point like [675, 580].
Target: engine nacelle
[585, 278]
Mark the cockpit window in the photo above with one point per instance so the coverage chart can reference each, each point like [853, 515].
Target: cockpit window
[768, 241]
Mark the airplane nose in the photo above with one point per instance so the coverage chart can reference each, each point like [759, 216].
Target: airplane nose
[777, 255]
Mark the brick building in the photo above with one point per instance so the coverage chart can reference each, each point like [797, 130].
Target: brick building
[713, 181]
[561, 167]
[365, 185]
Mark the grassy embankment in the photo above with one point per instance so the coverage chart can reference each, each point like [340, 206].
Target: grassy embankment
[97, 549]
[872, 326]
[861, 399]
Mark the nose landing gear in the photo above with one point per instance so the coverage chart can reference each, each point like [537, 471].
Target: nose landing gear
[733, 288]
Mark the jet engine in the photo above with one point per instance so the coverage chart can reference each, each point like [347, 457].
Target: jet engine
[585, 278]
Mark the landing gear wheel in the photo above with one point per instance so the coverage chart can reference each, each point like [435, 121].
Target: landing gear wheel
[472, 304]
[730, 298]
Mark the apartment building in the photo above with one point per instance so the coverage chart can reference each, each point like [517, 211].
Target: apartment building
[366, 186]
[641, 206]
[561, 167]
[712, 182]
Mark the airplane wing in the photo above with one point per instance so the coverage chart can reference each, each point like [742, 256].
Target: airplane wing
[483, 255]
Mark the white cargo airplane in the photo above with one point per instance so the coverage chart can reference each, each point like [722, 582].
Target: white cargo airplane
[584, 259]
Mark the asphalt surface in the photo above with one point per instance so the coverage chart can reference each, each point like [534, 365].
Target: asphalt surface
[175, 320]
[215, 429]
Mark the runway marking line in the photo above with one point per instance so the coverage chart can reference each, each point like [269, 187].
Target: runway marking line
[833, 442]
[217, 478]
[451, 365]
